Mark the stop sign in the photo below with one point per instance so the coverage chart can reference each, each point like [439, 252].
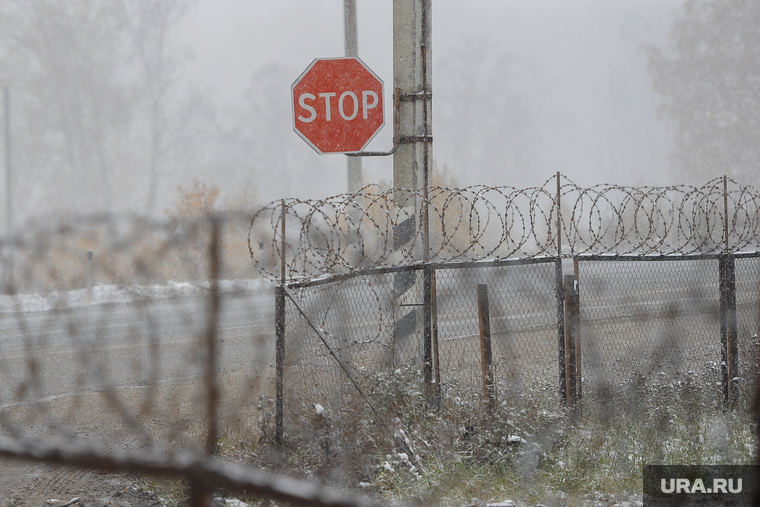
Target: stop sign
[337, 105]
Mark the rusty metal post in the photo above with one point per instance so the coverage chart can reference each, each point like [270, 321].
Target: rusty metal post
[279, 324]
[571, 338]
[729, 345]
[728, 330]
[486, 356]
[560, 292]
[201, 492]
[578, 351]
[559, 217]
[434, 328]
[427, 335]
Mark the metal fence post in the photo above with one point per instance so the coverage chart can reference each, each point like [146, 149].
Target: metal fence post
[434, 336]
[560, 297]
[572, 337]
[560, 328]
[486, 356]
[279, 309]
[577, 324]
[728, 329]
[427, 346]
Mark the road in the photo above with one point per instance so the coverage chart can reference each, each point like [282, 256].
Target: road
[50, 354]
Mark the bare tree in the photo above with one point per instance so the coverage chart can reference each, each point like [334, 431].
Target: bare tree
[484, 120]
[709, 77]
[149, 24]
[63, 59]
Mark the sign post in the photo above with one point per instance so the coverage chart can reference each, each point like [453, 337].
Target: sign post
[352, 49]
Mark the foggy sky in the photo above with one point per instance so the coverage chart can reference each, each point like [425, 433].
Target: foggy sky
[521, 89]
[593, 115]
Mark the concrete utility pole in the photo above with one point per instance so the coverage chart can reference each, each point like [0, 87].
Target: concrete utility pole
[412, 164]
[355, 180]
[412, 63]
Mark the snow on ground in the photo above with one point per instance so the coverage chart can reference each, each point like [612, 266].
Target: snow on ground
[125, 294]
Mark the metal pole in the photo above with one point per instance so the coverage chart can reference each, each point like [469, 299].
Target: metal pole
[732, 332]
[434, 328]
[559, 219]
[728, 329]
[560, 300]
[577, 324]
[560, 328]
[279, 309]
[8, 200]
[729, 346]
[486, 355]
[355, 180]
[572, 320]
[9, 261]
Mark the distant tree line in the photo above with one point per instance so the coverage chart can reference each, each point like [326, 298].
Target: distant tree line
[709, 78]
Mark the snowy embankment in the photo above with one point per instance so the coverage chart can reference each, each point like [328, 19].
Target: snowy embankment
[126, 294]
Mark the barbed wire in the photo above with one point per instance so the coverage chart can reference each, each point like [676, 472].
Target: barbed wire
[349, 232]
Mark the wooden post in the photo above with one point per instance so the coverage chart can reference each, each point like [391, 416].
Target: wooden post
[486, 357]
[211, 344]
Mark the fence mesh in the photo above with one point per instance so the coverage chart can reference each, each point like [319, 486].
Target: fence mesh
[523, 310]
[651, 320]
[642, 320]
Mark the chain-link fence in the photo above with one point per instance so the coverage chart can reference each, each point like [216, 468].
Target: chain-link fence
[642, 319]
[648, 291]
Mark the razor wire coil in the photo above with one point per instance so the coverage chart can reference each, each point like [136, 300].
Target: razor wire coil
[378, 228]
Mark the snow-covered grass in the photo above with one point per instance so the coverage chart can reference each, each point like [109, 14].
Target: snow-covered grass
[530, 450]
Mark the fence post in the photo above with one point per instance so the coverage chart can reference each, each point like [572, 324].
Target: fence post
[729, 345]
[279, 323]
[211, 344]
[572, 337]
[577, 324]
[427, 346]
[560, 328]
[728, 329]
[434, 329]
[486, 356]
[560, 298]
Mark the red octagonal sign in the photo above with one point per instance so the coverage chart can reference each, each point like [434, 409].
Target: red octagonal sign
[337, 105]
